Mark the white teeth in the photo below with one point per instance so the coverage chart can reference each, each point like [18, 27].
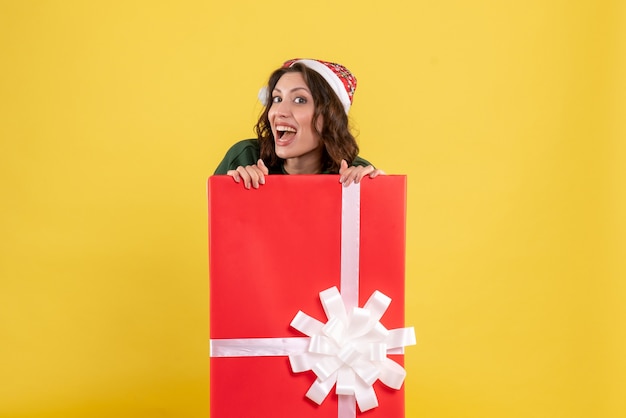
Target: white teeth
[285, 129]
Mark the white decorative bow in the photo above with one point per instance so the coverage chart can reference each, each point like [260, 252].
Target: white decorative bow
[350, 350]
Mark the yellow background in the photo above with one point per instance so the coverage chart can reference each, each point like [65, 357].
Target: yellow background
[507, 117]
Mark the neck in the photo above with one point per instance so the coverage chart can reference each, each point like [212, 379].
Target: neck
[297, 166]
[307, 163]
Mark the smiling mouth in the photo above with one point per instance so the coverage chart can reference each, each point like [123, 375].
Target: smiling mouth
[284, 133]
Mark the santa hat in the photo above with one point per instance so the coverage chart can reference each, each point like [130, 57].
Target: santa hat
[338, 77]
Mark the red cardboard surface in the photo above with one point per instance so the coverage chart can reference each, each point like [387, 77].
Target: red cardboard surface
[271, 251]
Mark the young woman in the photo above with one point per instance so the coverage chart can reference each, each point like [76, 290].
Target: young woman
[303, 128]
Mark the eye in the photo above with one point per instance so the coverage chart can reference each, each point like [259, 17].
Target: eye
[277, 99]
[300, 100]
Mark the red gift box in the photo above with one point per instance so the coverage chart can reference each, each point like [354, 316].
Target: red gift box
[272, 251]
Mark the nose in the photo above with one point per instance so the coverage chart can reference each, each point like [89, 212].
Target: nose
[282, 108]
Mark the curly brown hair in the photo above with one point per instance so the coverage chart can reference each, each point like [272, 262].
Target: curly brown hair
[337, 140]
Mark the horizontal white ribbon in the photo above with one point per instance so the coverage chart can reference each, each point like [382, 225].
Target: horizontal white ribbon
[265, 347]
[257, 347]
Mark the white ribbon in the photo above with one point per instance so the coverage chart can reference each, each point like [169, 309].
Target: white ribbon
[257, 347]
[350, 243]
[350, 350]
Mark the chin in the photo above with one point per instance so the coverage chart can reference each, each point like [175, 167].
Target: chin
[285, 152]
[284, 156]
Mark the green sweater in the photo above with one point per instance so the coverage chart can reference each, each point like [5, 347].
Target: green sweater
[246, 152]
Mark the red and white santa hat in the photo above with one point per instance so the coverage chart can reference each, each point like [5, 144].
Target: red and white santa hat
[338, 77]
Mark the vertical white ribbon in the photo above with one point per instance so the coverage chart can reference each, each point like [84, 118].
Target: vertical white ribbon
[350, 248]
[350, 238]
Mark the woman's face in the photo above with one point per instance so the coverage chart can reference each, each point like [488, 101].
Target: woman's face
[291, 118]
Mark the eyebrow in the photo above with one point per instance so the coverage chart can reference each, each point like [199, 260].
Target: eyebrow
[293, 89]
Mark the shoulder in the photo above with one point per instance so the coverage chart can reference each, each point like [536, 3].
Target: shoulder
[244, 146]
[358, 161]
[245, 152]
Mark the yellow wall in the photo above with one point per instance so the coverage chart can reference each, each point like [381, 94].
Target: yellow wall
[506, 116]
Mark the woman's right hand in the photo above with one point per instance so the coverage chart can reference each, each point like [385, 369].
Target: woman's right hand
[252, 175]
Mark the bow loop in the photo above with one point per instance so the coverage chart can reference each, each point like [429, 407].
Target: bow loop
[350, 350]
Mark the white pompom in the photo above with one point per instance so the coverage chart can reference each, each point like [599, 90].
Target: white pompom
[263, 93]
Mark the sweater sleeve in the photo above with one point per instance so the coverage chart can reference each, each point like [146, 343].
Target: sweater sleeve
[358, 161]
[243, 153]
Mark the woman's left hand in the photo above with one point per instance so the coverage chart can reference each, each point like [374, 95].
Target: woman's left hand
[347, 175]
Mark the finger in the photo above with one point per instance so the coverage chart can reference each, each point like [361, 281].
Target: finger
[361, 172]
[349, 176]
[343, 166]
[355, 174]
[234, 174]
[255, 175]
[343, 171]
[261, 170]
[262, 166]
[377, 172]
[245, 176]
